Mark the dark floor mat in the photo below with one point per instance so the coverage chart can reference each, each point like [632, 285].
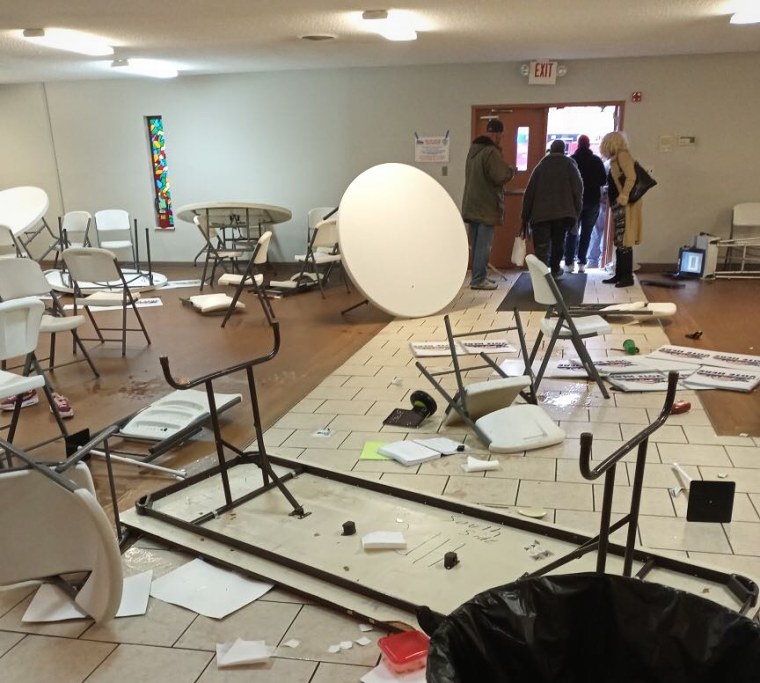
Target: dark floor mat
[571, 285]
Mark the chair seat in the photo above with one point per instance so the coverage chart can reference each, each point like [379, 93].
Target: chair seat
[586, 325]
[520, 428]
[105, 299]
[320, 257]
[52, 324]
[13, 385]
[483, 398]
[116, 244]
[235, 278]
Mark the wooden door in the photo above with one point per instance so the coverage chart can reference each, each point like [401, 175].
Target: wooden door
[523, 145]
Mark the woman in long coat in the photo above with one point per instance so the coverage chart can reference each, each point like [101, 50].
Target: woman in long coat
[626, 216]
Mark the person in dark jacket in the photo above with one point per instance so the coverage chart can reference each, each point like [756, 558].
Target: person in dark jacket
[552, 203]
[486, 172]
[594, 176]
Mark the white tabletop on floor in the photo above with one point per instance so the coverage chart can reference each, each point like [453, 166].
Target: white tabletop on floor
[220, 213]
[403, 240]
[22, 208]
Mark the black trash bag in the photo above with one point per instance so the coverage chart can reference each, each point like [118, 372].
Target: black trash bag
[593, 628]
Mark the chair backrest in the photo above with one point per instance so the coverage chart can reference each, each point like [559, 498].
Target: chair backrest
[318, 214]
[7, 244]
[49, 530]
[112, 220]
[90, 264]
[19, 327]
[326, 233]
[746, 215]
[262, 248]
[20, 277]
[538, 270]
[76, 223]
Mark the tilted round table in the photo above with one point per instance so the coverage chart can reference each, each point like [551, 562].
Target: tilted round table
[24, 208]
[402, 240]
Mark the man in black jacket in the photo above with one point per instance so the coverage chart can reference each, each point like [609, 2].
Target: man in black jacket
[552, 204]
[594, 175]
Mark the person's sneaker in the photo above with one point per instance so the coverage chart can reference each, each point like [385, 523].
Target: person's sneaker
[28, 398]
[486, 284]
[570, 268]
[581, 267]
[64, 407]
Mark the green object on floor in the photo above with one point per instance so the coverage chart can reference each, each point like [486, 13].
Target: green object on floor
[369, 451]
[630, 347]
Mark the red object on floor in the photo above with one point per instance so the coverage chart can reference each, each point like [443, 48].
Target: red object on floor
[680, 407]
[405, 651]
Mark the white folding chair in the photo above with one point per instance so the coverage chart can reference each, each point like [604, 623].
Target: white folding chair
[216, 254]
[251, 277]
[52, 525]
[19, 334]
[100, 269]
[323, 251]
[9, 248]
[114, 231]
[22, 277]
[75, 226]
[560, 324]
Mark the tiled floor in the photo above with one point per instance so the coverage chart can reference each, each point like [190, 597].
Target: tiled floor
[172, 644]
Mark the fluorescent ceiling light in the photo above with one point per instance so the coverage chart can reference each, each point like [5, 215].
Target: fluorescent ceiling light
[71, 41]
[749, 16]
[391, 27]
[152, 68]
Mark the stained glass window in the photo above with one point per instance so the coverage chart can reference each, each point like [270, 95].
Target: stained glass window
[163, 197]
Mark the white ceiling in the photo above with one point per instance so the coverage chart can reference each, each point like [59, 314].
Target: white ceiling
[228, 36]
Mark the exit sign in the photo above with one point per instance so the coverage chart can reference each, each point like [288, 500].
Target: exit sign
[542, 73]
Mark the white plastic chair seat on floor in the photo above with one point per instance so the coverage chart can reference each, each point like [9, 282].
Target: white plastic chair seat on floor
[13, 385]
[520, 428]
[482, 398]
[47, 531]
[236, 278]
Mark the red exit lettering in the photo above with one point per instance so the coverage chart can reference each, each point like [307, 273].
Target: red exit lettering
[543, 70]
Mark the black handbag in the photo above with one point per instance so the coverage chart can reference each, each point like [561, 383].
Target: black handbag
[644, 182]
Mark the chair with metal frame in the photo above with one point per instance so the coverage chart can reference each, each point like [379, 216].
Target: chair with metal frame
[253, 279]
[9, 248]
[100, 267]
[22, 277]
[75, 227]
[215, 252]
[19, 335]
[560, 324]
[487, 407]
[51, 527]
[114, 231]
[323, 250]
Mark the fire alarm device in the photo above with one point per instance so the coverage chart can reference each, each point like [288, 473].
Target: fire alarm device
[636, 96]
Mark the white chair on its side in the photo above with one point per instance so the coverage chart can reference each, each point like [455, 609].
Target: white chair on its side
[254, 279]
[323, 251]
[19, 334]
[22, 277]
[114, 231]
[560, 324]
[92, 265]
[52, 525]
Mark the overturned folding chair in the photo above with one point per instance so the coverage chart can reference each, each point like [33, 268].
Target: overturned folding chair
[323, 251]
[560, 324]
[486, 407]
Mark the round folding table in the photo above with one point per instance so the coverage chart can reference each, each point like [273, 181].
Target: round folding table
[22, 210]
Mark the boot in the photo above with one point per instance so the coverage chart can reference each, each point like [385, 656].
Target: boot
[624, 268]
[615, 278]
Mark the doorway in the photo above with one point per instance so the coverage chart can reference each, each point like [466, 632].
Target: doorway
[528, 131]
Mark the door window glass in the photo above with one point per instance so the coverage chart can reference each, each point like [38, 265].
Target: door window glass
[521, 147]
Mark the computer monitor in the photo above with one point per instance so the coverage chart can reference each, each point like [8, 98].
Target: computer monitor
[691, 262]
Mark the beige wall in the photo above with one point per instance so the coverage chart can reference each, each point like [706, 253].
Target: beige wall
[297, 138]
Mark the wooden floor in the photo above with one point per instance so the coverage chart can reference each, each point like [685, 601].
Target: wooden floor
[727, 314]
[316, 339]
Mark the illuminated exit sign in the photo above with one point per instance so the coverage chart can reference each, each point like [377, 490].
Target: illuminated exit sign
[543, 73]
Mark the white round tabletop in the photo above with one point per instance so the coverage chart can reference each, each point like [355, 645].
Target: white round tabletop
[403, 240]
[22, 208]
[223, 213]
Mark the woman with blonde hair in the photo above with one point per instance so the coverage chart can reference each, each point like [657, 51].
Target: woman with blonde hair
[626, 216]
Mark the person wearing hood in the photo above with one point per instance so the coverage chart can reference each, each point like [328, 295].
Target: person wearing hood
[486, 172]
[552, 204]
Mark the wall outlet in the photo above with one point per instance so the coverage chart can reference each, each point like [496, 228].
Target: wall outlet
[444, 170]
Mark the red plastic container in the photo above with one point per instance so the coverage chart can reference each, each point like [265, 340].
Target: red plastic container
[405, 651]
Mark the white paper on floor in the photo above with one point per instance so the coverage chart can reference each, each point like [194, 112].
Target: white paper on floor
[50, 603]
[207, 590]
[140, 303]
[363, 641]
[292, 643]
[240, 652]
[383, 540]
[382, 674]
[178, 284]
[135, 594]
[368, 627]
[477, 465]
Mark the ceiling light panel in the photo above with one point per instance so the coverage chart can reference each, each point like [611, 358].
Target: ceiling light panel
[66, 39]
[152, 68]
